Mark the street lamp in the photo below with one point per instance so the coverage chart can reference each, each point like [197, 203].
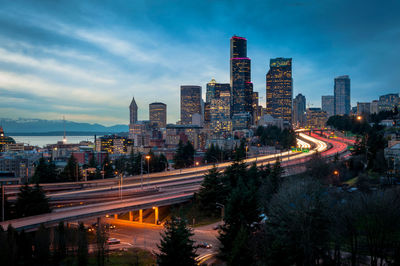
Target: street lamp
[359, 117]
[148, 167]
[197, 163]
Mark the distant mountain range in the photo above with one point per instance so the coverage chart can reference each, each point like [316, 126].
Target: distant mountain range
[23, 126]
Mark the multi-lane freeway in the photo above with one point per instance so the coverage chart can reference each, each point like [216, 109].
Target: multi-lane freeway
[98, 198]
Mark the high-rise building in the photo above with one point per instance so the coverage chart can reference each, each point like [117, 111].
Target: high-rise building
[299, 110]
[316, 118]
[214, 89]
[133, 110]
[241, 85]
[388, 102]
[342, 95]
[220, 111]
[363, 108]
[328, 104]
[374, 107]
[280, 88]
[190, 103]
[158, 114]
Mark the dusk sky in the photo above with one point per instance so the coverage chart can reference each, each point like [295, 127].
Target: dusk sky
[86, 59]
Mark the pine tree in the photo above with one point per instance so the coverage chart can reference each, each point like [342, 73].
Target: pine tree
[179, 156]
[211, 191]
[176, 247]
[61, 244]
[71, 171]
[108, 168]
[24, 243]
[31, 201]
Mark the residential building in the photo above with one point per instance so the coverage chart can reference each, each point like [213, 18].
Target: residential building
[190, 103]
[342, 95]
[328, 104]
[374, 107]
[280, 89]
[388, 102]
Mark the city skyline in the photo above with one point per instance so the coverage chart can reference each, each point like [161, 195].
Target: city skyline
[86, 61]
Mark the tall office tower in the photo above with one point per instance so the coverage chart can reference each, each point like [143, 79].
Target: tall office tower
[342, 95]
[241, 85]
[190, 103]
[214, 89]
[328, 104]
[220, 111]
[299, 110]
[133, 109]
[158, 114]
[280, 88]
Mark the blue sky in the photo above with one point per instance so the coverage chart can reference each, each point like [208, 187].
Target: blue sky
[86, 59]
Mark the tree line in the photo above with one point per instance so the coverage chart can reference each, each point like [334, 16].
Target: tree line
[274, 136]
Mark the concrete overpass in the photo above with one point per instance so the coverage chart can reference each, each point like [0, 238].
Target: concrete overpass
[180, 190]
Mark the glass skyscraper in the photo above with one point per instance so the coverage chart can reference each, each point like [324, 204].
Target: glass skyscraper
[280, 88]
[158, 114]
[241, 85]
[190, 103]
[214, 89]
[328, 104]
[342, 95]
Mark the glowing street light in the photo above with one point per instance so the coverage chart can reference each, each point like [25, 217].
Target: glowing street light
[148, 167]
[197, 163]
[359, 117]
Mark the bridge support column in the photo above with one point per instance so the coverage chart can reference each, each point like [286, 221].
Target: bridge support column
[140, 216]
[155, 215]
[116, 216]
[131, 216]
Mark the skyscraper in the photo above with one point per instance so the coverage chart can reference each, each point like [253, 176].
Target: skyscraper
[133, 109]
[241, 85]
[214, 89]
[280, 88]
[158, 114]
[342, 95]
[299, 110]
[190, 103]
[220, 113]
[328, 104]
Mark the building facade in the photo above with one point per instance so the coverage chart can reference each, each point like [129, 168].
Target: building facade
[220, 110]
[190, 103]
[388, 102]
[133, 112]
[342, 95]
[299, 110]
[240, 76]
[280, 89]
[328, 104]
[214, 89]
[363, 108]
[158, 114]
[316, 118]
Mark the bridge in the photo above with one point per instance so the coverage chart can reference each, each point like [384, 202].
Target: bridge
[160, 189]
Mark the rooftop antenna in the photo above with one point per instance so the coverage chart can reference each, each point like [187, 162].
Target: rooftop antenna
[64, 138]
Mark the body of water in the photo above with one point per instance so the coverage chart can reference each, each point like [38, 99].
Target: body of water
[42, 141]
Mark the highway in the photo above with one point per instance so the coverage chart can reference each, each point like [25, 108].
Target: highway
[172, 188]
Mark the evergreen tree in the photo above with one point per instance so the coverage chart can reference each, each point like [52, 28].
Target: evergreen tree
[108, 169]
[45, 172]
[211, 191]
[188, 151]
[71, 171]
[179, 156]
[176, 247]
[102, 246]
[31, 201]
[12, 236]
[82, 245]
[93, 162]
[241, 212]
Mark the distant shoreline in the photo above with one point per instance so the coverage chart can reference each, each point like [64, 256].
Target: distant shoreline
[61, 133]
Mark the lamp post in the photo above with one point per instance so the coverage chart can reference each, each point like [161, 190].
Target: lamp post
[148, 168]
